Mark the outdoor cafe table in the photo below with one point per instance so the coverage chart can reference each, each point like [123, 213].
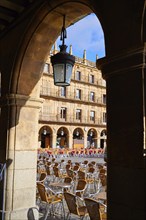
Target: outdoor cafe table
[101, 196]
[61, 185]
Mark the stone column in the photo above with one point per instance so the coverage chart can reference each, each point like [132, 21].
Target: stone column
[21, 114]
[126, 177]
[85, 139]
[54, 139]
[70, 141]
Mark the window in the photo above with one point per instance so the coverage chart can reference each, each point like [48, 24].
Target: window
[104, 117]
[92, 96]
[92, 116]
[78, 114]
[104, 99]
[46, 68]
[91, 78]
[78, 94]
[63, 113]
[78, 75]
[63, 91]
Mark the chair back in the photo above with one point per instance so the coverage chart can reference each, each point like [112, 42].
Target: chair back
[91, 169]
[56, 171]
[48, 170]
[92, 208]
[67, 179]
[68, 166]
[70, 173]
[76, 168]
[81, 175]
[42, 192]
[81, 186]
[42, 177]
[71, 202]
[102, 171]
[85, 162]
[93, 162]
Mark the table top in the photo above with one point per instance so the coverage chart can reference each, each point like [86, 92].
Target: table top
[101, 196]
[61, 184]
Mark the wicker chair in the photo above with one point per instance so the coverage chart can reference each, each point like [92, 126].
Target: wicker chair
[80, 188]
[81, 175]
[73, 208]
[42, 177]
[95, 209]
[49, 198]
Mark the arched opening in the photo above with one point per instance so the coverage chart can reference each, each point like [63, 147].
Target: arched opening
[103, 137]
[92, 138]
[78, 138]
[62, 138]
[45, 137]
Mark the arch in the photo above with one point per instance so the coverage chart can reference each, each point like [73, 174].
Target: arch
[25, 64]
[103, 137]
[45, 137]
[62, 137]
[92, 138]
[34, 52]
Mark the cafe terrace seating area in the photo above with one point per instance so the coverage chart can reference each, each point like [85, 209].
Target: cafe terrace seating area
[65, 152]
[70, 187]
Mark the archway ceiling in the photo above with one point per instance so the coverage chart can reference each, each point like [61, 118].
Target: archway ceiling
[10, 11]
[13, 11]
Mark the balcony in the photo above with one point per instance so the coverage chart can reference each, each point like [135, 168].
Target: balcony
[70, 96]
[70, 119]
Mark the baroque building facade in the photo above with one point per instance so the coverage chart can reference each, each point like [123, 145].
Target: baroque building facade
[74, 116]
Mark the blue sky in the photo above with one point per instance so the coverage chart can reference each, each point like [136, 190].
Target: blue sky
[87, 35]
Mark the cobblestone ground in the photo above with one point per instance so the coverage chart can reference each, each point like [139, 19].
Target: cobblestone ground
[58, 216]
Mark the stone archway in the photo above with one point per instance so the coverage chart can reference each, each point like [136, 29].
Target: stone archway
[23, 97]
[122, 68]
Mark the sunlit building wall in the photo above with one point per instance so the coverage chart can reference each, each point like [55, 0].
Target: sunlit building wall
[73, 116]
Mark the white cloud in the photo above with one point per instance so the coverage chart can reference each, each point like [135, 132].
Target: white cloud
[86, 34]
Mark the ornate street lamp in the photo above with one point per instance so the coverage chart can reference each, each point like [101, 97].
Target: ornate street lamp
[77, 133]
[62, 132]
[62, 62]
[91, 133]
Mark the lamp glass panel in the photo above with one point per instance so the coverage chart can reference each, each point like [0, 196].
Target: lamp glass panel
[59, 72]
[68, 72]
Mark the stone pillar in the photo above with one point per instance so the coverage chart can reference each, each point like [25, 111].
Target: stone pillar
[21, 114]
[85, 139]
[54, 138]
[70, 141]
[126, 176]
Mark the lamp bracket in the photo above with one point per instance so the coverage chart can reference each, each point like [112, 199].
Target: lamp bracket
[63, 32]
